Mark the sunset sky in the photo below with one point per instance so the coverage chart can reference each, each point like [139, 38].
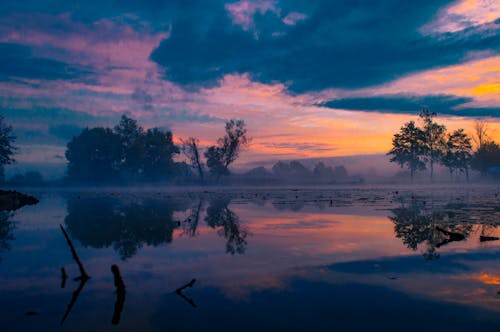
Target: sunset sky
[311, 78]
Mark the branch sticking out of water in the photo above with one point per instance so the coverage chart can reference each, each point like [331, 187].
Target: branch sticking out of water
[83, 274]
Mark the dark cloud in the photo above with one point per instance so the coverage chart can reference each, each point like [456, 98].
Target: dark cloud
[441, 104]
[47, 115]
[65, 131]
[341, 44]
[17, 61]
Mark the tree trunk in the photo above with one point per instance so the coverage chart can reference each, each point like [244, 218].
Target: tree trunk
[432, 170]
[200, 172]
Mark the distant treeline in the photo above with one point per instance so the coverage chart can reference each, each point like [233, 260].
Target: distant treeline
[295, 172]
[419, 148]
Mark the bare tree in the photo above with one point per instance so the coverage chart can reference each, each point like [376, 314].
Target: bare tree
[190, 148]
[481, 131]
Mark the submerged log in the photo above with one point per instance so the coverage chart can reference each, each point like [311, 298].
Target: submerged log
[11, 200]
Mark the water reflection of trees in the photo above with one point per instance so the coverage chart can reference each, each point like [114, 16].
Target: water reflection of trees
[416, 224]
[220, 216]
[127, 225]
[6, 231]
[104, 221]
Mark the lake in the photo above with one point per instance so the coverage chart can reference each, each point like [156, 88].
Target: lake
[246, 259]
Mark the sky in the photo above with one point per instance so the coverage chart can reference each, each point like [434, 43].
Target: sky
[313, 78]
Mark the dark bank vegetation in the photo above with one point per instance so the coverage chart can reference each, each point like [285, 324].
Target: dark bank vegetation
[419, 148]
[130, 154]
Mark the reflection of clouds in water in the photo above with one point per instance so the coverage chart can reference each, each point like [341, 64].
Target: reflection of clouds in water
[306, 224]
[283, 242]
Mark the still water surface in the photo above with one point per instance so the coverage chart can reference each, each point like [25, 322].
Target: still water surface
[292, 259]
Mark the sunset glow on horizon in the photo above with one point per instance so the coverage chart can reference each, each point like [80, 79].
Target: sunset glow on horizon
[311, 79]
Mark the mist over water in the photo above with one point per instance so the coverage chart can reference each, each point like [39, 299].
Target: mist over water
[292, 258]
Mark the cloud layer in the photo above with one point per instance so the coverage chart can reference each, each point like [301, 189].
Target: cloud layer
[311, 78]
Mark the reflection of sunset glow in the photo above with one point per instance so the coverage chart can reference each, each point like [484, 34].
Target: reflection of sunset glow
[489, 279]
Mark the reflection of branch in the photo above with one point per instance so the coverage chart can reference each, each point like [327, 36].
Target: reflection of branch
[64, 276]
[76, 293]
[83, 274]
[193, 221]
[452, 237]
[84, 277]
[484, 238]
[120, 294]
[179, 290]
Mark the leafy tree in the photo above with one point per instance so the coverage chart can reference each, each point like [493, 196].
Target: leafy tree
[7, 149]
[190, 148]
[434, 139]
[227, 150]
[408, 148]
[132, 147]
[215, 161]
[486, 158]
[458, 152]
[94, 156]
[159, 151]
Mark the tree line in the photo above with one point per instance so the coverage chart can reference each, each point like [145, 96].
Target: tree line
[129, 153]
[419, 148]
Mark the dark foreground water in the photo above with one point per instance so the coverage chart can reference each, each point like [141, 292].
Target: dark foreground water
[254, 260]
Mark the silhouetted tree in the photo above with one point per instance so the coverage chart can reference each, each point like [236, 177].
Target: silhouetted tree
[434, 139]
[127, 153]
[481, 133]
[215, 161]
[190, 148]
[7, 149]
[94, 156]
[458, 152]
[227, 150]
[132, 147]
[486, 158]
[159, 151]
[408, 148]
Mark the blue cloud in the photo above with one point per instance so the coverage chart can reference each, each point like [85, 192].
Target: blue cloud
[342, 44]
[441, 104]
[17, 61]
